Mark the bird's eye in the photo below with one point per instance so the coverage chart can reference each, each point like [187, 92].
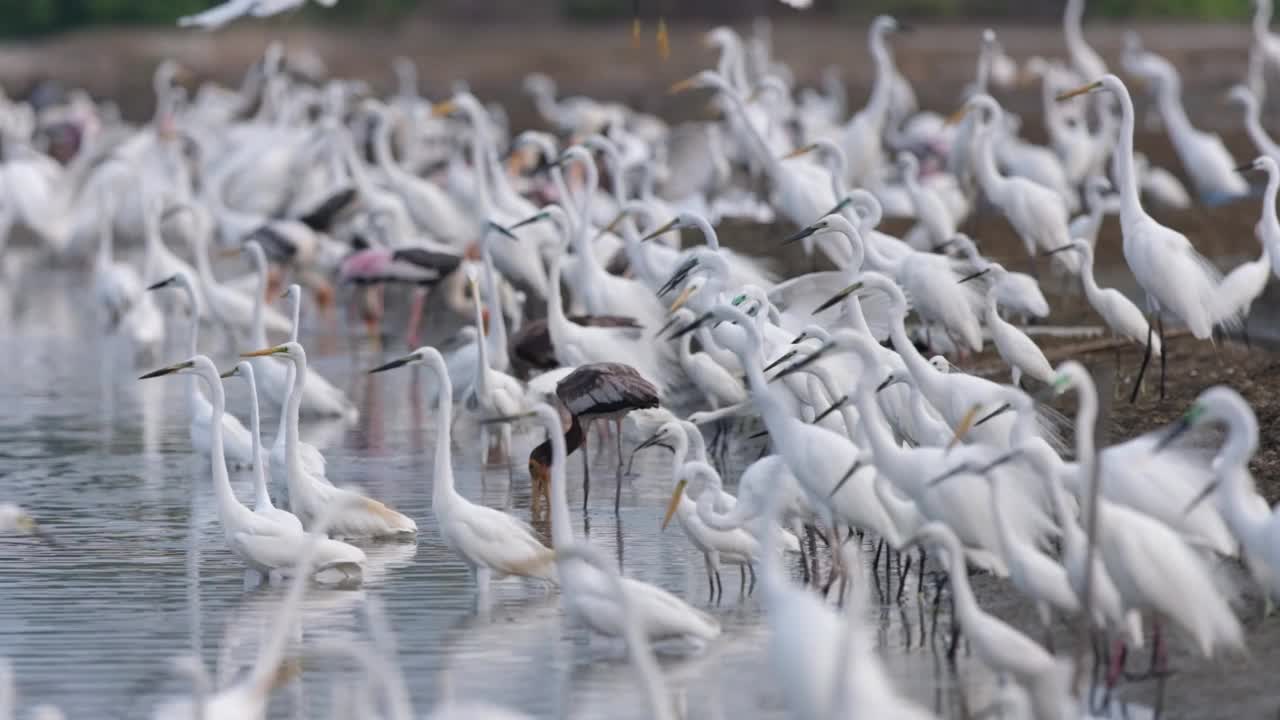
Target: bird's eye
[739, 300]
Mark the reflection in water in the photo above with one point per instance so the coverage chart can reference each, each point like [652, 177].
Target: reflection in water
[141, 571]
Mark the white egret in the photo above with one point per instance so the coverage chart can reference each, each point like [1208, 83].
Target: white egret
[1117, 311]
[262, 540]
[584, 590]
[494, 393]
[237, 442]
[1019, 352]
[1176, 278]
[1252, 106]
[718, 385]
[262, 504]
[359, 516]
[1017, 292]
[492, 543]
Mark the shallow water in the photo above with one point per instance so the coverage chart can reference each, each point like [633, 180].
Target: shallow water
[140, 572]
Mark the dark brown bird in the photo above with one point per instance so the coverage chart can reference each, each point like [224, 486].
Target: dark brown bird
[531, 349]
[598, 391]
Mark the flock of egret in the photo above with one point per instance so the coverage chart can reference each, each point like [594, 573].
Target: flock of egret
[561, 255]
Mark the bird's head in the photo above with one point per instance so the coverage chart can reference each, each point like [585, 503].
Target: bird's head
[290, 350]
[186, 367]
[417, 357]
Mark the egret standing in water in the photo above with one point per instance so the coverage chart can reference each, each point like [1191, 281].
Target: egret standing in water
[492, 543]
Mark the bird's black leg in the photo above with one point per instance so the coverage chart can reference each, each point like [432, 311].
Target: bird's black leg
[902, 579]
[804, 564]
[1146, 358]
[742, 580]
[920, 579]
[617, 491]
[586, 470]
[1164, 352]
[752, 587]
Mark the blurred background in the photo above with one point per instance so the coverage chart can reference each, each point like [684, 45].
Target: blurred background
[111, 47]
[26, 18]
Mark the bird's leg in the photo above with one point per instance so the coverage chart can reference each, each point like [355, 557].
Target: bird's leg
[484, 448]
[920, 579]
[711, 577]
[902, 578]
[752, 587]
[617, 491]
[586, 472]
[1116, 669]
[955, 630]
[504, 446]
[812, 574]
[875, 561]
[742, 580]
[804, 564]
[415, 315]
[719, 584]
[1163, 352]
[1146, 358]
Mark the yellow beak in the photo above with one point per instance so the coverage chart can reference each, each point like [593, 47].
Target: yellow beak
[445, 108]
[800, 151]
[674, 503]
[957, 116]
[659, 231]
[964, 426]
[1078, 91]
[683, 86]
[266, 351]
[613, 224]
[682, 298]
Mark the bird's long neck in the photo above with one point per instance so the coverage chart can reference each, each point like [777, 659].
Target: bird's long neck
[708, 233]
[193, 336]
[292, 406]
[262, 499]
[993, 183]
[442, 489]
[1090, 281]
[1086, 418]
[557, 323]
[1253, 125]
[679, 454]
[873, 425]
[482, 351]
[479, 164]
[1071, 27]
[756, 144]
[1270, 223]
[770, 409]
[228, 506]
[1261, 20]
[561, 530]
[925, 374]
[497, 335]
[1125, 173]
[1169, 99]
[382, 149]
[295, 313]
[882, 91]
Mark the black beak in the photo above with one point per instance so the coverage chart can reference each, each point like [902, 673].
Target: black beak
[801, 235]
[677, 277]
[760, 434]
[785, 357]
[1201, 497]
[974, 276]
[839, 403]
[163, 283]
[1002, 460]
[848, 474]
[796, 367]
[1246, 168]
[1060, 249]
[887, 382]
[691, 326]
[501, 230]
[527, 221]
[800, 338]
[839, 206]
[994, 414]
[157, 373]
[960, 469]
[399, 362]
[838, 297]
[1178, 429]
[670, 321]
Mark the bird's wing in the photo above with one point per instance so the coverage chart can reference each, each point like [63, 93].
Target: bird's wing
[501, 541]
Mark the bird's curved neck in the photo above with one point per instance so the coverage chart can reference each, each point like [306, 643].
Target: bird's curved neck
[260, 292]
[1086, 419]
[1261, 19]
[925, 374]
[874, 426]
[382, 149]
[442, 489]
[1261, 140]
[228, 506]
[1125, 172]
[756, 144]
[482, 351]
[882, 91]
[993, 183]
[1270, 234]
[497, 336]
[192, 344]
[293, 404]
[261, 497]
[561, 530]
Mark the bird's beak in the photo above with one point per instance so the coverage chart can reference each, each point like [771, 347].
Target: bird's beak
[278, 349]
[957, 116]
[960, 469]
[1002, 460]
[994, 414]
[838, 297]
[785, 357]
[857, 465]
[838, 207]
[498, 420]
[1063, 97]
[650, 441]
[839, 403]
[235, 370]
[398, 362]
[666, 326]
[500, 230]
[1177, 430]
[668, 226]
[683, 86]
[692, 326]
[163, 283]
[1247, 167]
[682, 298]
[964, 426]
[800, 338]
[537, 217]
[1064, 248]
[613, 224]
[167, 370]
[805, 150]
[1201, 497]
[812, 229]
[445, 108]
[673, 503]
[945, 245]
[974, 276]
[797, 367]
